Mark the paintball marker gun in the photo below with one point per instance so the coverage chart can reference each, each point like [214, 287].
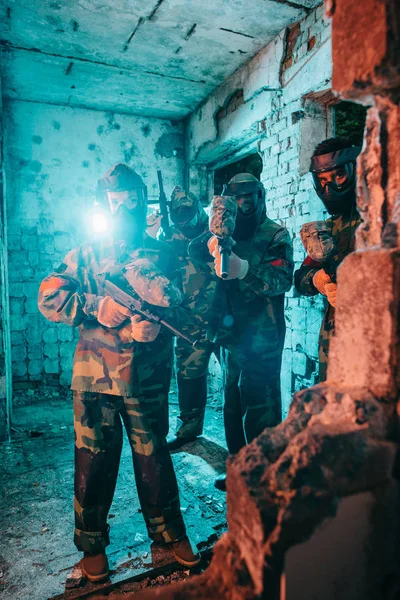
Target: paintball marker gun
[162, 199]
[320, 246]
[222, 224]
[147, 293]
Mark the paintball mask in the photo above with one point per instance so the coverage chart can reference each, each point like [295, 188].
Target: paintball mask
[128, 210]
[186, 212]
[249, 195]
[338, 198]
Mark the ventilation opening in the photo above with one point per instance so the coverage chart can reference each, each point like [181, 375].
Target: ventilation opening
[323, 117]
[349, 121]
[250, 164]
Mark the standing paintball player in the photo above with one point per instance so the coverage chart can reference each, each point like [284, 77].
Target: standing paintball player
[248, 312]
[197, 284]
[121, 374]
[333, 168]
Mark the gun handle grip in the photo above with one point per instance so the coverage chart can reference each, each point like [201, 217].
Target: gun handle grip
[224, 262]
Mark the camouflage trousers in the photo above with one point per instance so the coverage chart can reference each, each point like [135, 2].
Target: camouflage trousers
[252, 396]
[99, 419]
[191, 366]
[325, 336]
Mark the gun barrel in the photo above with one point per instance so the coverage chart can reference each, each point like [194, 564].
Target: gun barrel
[224, 262]
[188, 338]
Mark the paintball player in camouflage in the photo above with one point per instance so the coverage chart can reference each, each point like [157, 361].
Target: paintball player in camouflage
[248, 314]
[333, 167]
[197, 283]
[121, 374]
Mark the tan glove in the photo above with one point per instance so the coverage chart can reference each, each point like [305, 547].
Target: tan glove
[325, 286]
[144, 331]
[237, 266]
[331, 291]
[110, 313]
[321, 280]
[153, 222]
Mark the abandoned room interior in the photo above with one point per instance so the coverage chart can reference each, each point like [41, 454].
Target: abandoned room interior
[181, 126]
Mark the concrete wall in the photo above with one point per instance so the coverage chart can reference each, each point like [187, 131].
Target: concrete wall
[3, 283]
[54, 156]
[278, 119]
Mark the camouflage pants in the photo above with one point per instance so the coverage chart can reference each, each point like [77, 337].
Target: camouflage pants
[191, 373]
[252, 396]
[325, 336]
[323, 350]
[98, 443]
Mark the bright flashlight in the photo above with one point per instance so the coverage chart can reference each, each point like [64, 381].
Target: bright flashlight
[99, 222]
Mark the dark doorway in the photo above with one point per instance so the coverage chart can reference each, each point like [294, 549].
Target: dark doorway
[349, 121]
[250, 164]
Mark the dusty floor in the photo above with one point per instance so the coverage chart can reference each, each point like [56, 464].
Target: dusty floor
[36, 478]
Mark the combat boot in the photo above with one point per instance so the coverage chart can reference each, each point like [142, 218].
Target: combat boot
[95, 566]
[183, 552]
[220, 482]
[192, 398]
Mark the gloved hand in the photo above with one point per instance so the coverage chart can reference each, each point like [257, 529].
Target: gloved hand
[321, 280]
[331, 291]
[325, 286]
[110, 313]
[142, 330]
[237, 266]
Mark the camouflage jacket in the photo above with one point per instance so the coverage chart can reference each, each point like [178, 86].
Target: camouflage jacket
[196, 278]
[343, 232]
[103, 357]
[248, 314]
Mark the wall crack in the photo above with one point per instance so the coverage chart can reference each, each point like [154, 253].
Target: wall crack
[237, 32]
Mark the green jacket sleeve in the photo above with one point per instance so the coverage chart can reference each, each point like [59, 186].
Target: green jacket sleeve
[273, 275]
[303, 277]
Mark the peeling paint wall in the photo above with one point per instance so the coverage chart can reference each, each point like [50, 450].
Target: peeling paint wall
[3, 255]
[54, 156]
[273, 117]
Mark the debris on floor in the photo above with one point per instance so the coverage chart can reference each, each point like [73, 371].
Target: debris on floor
[37, 553]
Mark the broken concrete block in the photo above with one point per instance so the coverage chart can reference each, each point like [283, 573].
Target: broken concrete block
[364, 348]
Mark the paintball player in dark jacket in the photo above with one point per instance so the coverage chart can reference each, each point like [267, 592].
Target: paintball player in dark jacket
[333, 167]
[248, 312]
[121, 374]
[197, 283]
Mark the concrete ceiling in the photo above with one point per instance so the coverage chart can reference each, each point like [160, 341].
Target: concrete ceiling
[149, 57]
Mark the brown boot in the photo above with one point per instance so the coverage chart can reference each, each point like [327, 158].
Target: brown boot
[95, 566]
[183, 552]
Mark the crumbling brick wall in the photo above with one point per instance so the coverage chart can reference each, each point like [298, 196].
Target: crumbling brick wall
[54, 156]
